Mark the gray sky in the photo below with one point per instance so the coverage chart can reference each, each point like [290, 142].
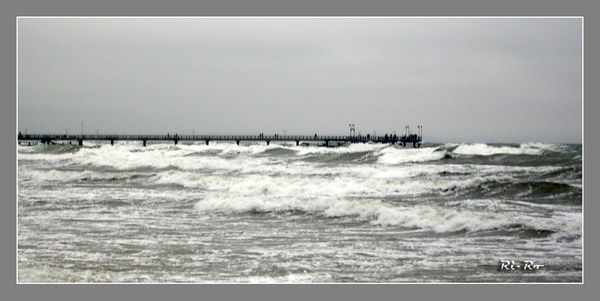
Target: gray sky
[488, 80]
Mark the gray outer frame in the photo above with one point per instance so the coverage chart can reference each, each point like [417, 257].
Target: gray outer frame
[590, 9]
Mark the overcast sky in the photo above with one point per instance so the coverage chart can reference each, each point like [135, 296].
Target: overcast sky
[487, 80]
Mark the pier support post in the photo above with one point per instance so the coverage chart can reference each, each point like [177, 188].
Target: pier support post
[404, 144]
[80, 142]
[144, 142]
[207, 142]
[237, 141]
[326, 142]
[176, 141]
[268, 142]
[112, 141]
[297, 142]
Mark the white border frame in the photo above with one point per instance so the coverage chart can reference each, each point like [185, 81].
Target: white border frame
[306, 17]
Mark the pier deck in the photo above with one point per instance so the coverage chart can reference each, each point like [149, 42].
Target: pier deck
[327, 140]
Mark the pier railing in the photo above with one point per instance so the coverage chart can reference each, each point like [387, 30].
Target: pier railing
[51, 138]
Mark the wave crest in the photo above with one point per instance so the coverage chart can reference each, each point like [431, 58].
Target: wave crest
[488, 150]
[436, 219]
[396, 155]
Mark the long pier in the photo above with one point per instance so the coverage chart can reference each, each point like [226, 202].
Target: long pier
[327, 140]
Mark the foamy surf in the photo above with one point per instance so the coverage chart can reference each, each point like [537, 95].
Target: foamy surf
[429, 218]
[487, 150]
[287, 213]
[396, 155]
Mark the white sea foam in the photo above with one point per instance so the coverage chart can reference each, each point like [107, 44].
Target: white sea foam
[261, 185]
[349, 216]
[393, 155]
[221, 156]
[486, 150]
[58, 175]
[188, 174]
[352, 148]
[156, 157]
[377, 212]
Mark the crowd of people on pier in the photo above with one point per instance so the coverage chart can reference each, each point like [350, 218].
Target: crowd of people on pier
[390, 138]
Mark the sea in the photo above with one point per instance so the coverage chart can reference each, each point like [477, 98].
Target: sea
[358, 213]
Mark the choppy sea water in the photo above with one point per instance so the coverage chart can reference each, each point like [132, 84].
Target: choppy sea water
[302, 214]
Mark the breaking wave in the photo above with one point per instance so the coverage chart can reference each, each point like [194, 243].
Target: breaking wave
[223, 156]
[283, 210]
[394, 155]
[429, 218]
[487, 150]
